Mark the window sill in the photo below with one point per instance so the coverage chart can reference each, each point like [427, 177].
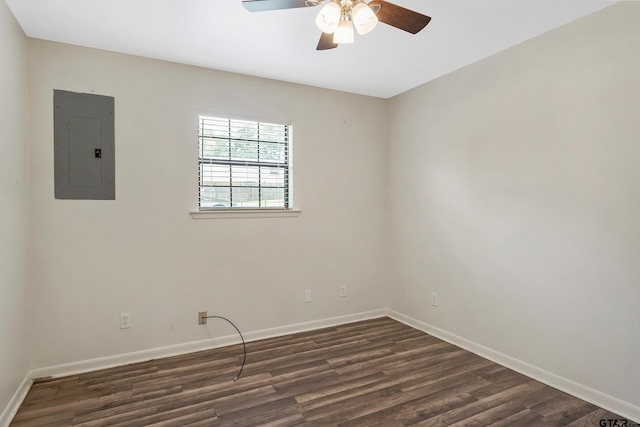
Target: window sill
[244, 213]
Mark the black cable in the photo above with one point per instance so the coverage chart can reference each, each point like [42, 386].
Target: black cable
[244, 346]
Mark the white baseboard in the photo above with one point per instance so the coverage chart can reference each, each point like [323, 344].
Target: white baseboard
[190, 347]
[14, 404]
[608, 402]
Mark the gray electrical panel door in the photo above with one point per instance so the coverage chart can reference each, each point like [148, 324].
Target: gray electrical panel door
[84, 146]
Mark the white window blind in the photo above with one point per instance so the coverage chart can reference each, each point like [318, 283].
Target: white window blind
[243, 164]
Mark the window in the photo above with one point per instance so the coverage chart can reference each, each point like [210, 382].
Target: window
[243, 164]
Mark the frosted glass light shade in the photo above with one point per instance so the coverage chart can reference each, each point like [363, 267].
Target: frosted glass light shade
[363, 18]
[329, 17]
[344, 32]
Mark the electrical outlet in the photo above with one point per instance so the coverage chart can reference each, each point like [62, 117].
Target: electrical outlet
[308, 295]
[343, 291]
[125, 320]
[434, 299]
[202, 318]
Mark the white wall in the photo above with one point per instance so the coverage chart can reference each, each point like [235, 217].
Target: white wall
[14, 199]
[144, 254]
[515, 198]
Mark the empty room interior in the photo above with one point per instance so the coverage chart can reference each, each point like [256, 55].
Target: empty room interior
[485, 198]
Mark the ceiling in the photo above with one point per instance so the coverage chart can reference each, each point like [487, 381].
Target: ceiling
[222, 35]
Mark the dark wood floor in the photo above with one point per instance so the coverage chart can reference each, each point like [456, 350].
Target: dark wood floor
[372, 373]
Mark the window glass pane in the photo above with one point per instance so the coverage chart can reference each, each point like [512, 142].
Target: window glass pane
[273, 152]
[245, 197]
[210, 126]
[272, 197]
[214, 175]
[214, 148]
[244, 176]
[272, 177]
[244, 150]
[215, 197]
[273, 132]
[241, 129]
[206, 127]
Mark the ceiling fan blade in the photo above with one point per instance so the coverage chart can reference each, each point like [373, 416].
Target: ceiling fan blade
[262, 5]
[326, 42]
[399, 17]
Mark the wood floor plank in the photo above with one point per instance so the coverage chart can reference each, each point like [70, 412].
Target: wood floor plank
[53, 419]
[389, 397]
[593, 418]
[373, 373]
[63, 407]
[340, 384]
[413, 411]
[173, 416]
[120, 408]
[490, 416]
[264, 412]
[565, 413]
[525, 418]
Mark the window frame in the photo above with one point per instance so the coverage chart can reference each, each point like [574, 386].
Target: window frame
[250, 163]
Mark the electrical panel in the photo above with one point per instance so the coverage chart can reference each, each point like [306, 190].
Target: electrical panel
[84, 146]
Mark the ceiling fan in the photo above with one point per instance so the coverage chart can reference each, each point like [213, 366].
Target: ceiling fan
[337, 18]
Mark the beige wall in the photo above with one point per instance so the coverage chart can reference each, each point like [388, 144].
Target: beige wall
[515, 198]
[14, 198]
[144, 254]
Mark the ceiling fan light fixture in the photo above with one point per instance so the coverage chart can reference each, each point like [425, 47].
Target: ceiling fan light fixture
[329, 17]
[344, 32]
[364, 19]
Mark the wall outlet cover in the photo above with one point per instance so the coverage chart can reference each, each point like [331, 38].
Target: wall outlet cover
[125, 320]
